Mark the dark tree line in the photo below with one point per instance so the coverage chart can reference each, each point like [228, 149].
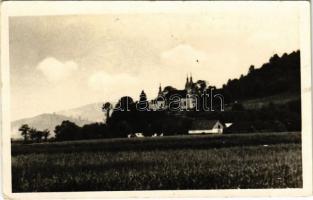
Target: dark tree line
[31, 134]
[269, 118]
[279, 75]
[68, 130]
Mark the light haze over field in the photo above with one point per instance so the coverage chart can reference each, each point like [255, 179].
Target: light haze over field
[61, 62]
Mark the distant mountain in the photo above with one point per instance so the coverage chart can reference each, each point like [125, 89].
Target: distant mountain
[86, 114]
[91, 112]
[44, 121]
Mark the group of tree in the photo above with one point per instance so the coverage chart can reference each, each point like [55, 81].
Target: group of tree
[31, 134]
[120, 125]
[148, 123]
[276, 118]
[68, 130]
[270, 118]
[279, 75]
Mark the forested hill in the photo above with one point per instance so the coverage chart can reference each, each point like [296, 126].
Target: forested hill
[279, 75]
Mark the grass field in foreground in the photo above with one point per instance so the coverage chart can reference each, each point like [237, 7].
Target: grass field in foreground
[271, 160]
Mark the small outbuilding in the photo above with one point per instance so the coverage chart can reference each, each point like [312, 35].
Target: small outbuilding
[135, 135]
[139, 135]
[206, 127]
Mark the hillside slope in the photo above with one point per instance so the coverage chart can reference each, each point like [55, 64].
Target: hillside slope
[44, 121]
[91, 112]
[278, 75]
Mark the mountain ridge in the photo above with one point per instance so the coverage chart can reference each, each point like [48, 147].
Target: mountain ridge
[91, 112]
[43, 121]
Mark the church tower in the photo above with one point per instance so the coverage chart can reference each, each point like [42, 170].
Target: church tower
[187, 83]
[160, 90]
[189, 87]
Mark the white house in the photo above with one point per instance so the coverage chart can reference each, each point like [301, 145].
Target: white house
[206, 127]
[139, 135]
[156, 135]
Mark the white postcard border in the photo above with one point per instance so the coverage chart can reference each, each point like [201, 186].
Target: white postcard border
[69, 8]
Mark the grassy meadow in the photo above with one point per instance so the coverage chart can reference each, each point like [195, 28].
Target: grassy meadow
[263, 160]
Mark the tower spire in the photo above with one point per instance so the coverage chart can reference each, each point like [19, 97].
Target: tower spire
[187, 82]
[160, 89]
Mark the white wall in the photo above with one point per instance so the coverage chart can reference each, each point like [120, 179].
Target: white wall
[214, 130]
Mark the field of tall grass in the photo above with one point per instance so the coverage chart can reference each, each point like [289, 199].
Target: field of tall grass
[271, 160]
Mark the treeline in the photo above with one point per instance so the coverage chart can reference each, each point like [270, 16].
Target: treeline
[67, 130]
[269, 118]
[121, 124]
[279, 75]
[31, 134]
[148, 123]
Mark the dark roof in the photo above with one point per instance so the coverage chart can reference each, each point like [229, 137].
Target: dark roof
[203, 124]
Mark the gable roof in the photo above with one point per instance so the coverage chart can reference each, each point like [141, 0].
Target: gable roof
[203, 124]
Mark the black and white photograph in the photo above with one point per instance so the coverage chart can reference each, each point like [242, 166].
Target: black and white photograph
[157, 96]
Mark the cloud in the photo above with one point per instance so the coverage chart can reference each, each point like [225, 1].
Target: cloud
[203, 64]
[56, 70]
[183, 55]
[115, 85]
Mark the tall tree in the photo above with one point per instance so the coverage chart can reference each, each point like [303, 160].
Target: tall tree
[33, 133]
[124, 104]
[106, 108]
[67, 131]
[24, 129]
[201, 85]
[143, 104]
[251, 68]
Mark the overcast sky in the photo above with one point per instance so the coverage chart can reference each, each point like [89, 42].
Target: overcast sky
[61, 62]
